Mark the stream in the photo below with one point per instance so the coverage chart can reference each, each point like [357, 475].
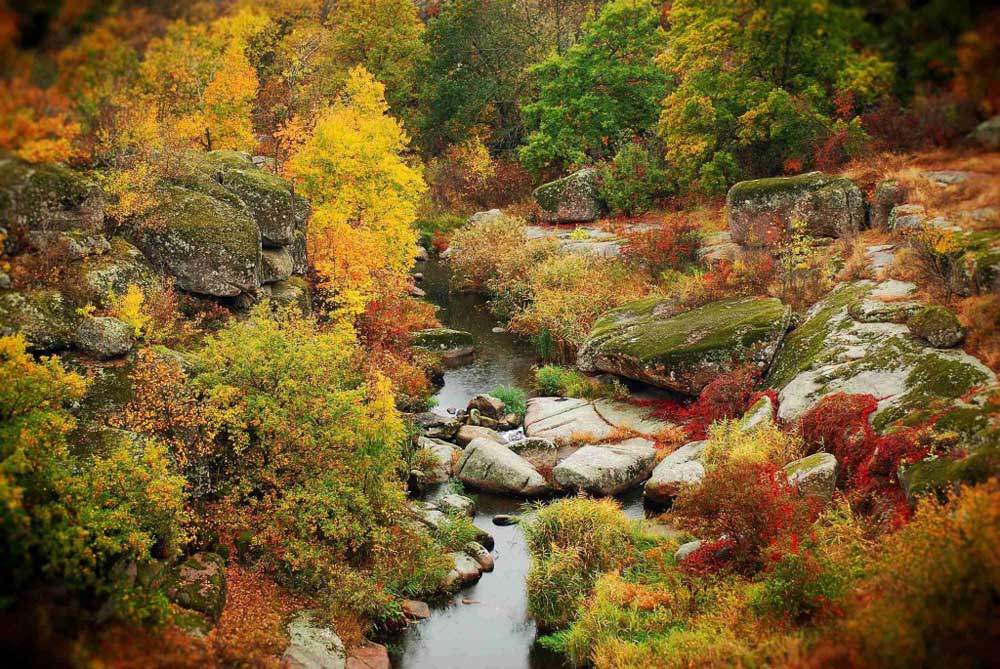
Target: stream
[487, 625]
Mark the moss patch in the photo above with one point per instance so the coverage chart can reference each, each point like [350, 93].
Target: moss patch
[684, 351]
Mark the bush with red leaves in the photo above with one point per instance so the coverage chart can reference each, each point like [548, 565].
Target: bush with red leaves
[667, 246]
[727, 397]
[839, 424]
[751, 504]
[869, 462]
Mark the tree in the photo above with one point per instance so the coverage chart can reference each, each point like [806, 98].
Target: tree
[757, 83]
[385, 37]
[366, 194]
[475, 72]
[604, 89]
[203, 82]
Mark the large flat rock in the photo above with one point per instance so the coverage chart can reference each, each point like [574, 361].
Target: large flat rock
[606, 469]
[680, 468]
[831, 352]
[487, 465]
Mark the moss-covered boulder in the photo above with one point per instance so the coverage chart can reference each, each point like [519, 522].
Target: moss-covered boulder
[114, 271]
[572, 199]
[831, 352]
[814, 475]
[105, 337]
[887, 195]
[48, 197]
[937, 326]
[199, 584]
[987, 133]
[292, 291]
[942, 475]
[268, 198]
[276, 265]
[46, 318]
[69, 245]
[647, 342]
[210, 246]
[829, 206]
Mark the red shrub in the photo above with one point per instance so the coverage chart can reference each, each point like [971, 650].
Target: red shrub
[839, 425]
[727, 397]
[709, 558]
[751, 504]
[869, 462]
[667, 246]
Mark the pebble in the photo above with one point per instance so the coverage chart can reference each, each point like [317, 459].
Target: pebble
[504, 519]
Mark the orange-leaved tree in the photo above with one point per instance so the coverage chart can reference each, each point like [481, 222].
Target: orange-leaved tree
[354, 168]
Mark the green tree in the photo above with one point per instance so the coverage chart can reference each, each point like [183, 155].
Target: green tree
[602, 90]
[71, 519]
[757, 84]
[475, 74]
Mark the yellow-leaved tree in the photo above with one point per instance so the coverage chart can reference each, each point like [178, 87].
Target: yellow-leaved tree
[365, 192]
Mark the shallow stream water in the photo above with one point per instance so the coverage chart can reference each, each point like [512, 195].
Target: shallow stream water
[485, 626]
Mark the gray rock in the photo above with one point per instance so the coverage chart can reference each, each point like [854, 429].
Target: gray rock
[887, 195]
[829, 206]
[483, 217]
[686, 549]
[682, 467]
[428, 515]
[479, 553]
[938, 326]
[48, 196]
[313, 645]
[4, 281]
[761, 413]
[105, 337]
[72, 245]
[114, 271]
[199, 584]
[468, 433]
[607, 469]
[293, 291]
[947, 177]
[906, 217]
[564, 420]
[276, 265]
[987, 133]
[465, 572]
[487, 465]
[210, 246]
[830, 352]
[533, 445]
[266, 197]
[815, 475]
[486, 405]
[442, 453]
[503, 520]
[878, 311]
[45, 317]
[458, 505]
[572, 199]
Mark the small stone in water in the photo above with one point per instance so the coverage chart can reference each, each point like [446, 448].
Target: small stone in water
[470, 601]
[415, 609]
[452, 410]
[504, 519]
[498, 330]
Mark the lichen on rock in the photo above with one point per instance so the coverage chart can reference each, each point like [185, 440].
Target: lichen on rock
[647, 341]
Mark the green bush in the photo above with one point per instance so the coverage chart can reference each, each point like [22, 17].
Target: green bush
[437, 225]
[631, 183]
[76, 520]
[513, 400]
[572, 542]
[565, 382]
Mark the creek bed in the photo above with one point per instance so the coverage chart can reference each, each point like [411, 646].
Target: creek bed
[493, 630]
